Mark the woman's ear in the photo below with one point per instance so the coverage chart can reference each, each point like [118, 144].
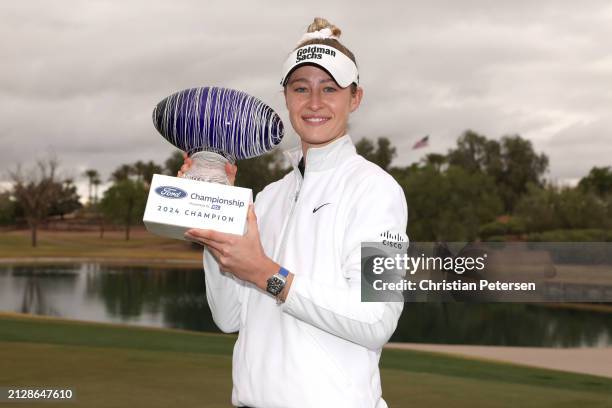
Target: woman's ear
[356, 98]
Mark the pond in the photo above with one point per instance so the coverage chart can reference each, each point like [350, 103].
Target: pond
[175, 298]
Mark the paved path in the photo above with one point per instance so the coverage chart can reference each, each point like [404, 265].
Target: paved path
[595, 361]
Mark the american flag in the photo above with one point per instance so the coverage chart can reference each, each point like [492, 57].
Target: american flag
[424, 142]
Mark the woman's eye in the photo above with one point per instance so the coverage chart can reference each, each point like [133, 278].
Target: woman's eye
[300, 89]
[329, 89]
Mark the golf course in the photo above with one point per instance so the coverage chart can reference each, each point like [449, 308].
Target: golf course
[117, 365]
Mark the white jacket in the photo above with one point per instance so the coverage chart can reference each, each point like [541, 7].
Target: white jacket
[320, 348]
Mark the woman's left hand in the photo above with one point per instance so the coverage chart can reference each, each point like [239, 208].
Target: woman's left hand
[242, 256]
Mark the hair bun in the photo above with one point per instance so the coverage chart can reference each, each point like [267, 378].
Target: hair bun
[320, 23]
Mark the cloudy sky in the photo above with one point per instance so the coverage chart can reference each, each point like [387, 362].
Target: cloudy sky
[80, 78]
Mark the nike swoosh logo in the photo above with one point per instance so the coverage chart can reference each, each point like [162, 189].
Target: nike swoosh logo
[319, 207]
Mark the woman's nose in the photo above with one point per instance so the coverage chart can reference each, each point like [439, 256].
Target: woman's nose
[315, 101]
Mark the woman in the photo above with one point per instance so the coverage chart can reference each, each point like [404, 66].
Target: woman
[291, 285]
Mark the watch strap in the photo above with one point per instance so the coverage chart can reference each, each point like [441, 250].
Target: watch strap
[283, 272]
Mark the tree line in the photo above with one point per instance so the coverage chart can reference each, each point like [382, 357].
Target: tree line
[480, 189]
[497, 190]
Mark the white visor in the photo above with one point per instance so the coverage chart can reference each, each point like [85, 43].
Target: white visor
[338, 65]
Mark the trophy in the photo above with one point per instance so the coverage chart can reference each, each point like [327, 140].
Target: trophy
[214, 126]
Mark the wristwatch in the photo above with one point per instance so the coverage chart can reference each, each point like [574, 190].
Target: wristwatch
[277, 282]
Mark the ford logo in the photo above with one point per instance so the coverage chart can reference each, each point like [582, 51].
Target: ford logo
[170, 192]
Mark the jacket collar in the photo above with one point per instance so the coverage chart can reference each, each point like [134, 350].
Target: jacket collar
[322, 158]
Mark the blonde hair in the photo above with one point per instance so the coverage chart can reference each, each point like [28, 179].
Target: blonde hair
[320, 23]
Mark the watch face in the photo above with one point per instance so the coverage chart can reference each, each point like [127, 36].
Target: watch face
[275, 285]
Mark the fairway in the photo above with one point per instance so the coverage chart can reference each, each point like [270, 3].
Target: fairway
[119, 366]
[143, 247]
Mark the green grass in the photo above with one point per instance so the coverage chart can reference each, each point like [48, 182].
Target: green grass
[57, 244]
[15, 328]
[488, 372]
[119, 366]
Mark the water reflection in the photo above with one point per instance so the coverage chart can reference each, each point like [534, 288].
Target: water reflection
[33, 299]
[175, 297]
[502, 324]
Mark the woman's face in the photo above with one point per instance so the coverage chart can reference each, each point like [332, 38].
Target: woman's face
[318, 108]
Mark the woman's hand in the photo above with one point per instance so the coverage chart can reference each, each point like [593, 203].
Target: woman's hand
[230, 169]
[242, 256]
[187, 162]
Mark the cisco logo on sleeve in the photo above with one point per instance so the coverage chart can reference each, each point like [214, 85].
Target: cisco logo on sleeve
[170, 192]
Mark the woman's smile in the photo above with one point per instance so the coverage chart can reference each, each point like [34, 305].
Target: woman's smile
[315, 120]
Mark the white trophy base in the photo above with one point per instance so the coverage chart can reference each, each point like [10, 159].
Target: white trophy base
[178, 204]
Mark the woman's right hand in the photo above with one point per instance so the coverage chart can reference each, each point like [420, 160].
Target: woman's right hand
[187, 162]
[230, 169]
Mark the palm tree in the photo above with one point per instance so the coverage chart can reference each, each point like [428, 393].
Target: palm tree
[91, 174]
[139, 169]
[123, 172]
[96, 183]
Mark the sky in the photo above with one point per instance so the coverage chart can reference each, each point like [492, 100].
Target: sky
[79, 79]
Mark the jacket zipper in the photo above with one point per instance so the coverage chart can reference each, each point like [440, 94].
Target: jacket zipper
[287, 224]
